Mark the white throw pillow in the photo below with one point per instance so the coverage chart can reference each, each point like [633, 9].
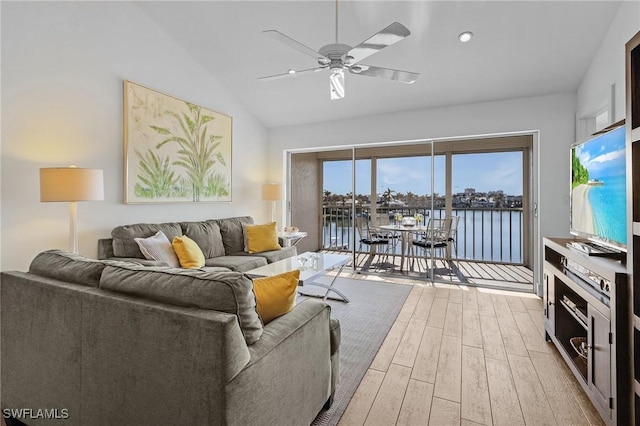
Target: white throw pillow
[158, 247]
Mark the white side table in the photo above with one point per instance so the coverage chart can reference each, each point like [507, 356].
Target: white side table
[291, 238]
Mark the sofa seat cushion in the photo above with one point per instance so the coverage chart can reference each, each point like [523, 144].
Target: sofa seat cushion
[276, 255]
[65, 266]
[237, 263]
[137, 261]
[230, 292]
[214, 269]
[124, 244]
[207, 235]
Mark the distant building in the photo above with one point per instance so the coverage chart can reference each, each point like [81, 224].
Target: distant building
[469, 191]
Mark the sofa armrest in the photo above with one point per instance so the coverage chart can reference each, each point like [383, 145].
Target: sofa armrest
[292, 362]
[282, 327]
[105, 248]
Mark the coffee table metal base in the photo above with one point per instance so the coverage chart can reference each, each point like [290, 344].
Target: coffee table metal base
[329, 287]
[311, 266]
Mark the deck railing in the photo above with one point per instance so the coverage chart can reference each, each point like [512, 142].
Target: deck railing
[488, 234]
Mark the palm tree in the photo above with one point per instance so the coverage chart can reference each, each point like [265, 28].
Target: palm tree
[156, 174]
[197, 154]
[387, 196]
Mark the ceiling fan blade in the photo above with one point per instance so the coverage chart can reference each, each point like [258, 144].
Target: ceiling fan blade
[284, 39]
[386, 73]
[383, 38]
[292, 74]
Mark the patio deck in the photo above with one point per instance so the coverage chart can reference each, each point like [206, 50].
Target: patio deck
[456, 271]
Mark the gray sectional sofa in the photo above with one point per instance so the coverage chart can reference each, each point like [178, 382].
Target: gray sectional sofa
[221, 241]
[120, 343]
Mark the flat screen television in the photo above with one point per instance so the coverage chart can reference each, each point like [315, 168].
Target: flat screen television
[599, 189]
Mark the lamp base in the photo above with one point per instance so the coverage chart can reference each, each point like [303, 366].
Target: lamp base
[73, 229]
[273, 211]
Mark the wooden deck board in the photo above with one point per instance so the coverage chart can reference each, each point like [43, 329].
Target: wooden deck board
[512, 276]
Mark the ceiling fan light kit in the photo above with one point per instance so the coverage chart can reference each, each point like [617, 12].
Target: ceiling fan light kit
[336, 84]
[337, 57]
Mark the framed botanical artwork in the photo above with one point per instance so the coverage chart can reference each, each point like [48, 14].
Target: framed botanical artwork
[174, 151]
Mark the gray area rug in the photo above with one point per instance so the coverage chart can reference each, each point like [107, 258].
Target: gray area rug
[364, 323]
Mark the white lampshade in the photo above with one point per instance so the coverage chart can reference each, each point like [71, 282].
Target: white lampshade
[71, 184]
[272, 192]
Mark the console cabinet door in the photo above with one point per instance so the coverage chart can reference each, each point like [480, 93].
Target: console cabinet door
[549, 300]
[599, 357]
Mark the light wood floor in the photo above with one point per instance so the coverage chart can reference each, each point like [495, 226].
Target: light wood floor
[460, 355]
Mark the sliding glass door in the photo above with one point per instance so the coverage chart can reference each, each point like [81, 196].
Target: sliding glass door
[488, 193]
[475, 191]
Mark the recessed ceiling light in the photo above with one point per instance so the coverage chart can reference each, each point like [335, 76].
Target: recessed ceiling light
[465, 36]
[292, 71]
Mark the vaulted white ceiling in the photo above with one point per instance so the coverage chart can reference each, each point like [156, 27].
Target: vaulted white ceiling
[519, 49]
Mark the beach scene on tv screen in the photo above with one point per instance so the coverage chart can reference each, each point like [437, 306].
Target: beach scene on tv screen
[598, 187]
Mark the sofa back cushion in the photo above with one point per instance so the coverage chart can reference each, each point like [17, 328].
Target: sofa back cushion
[230, 292]
[233, 233]
[69, 267]
[124, 244]
[207, 235]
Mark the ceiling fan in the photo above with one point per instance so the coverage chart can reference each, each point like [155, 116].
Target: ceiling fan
[337, 57]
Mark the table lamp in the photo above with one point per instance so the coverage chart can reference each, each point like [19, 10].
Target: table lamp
[272, 192]
[71, 184]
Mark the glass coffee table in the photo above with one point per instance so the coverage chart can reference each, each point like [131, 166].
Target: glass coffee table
[311, 266]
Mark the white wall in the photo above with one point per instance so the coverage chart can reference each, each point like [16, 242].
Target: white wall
[63, 65]
[553, 116]
[607, 66]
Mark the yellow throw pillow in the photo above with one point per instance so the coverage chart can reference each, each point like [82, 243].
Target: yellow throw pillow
[188, 252]
[262, 237]
[276, 295]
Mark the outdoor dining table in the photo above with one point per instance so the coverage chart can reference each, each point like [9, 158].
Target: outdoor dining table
[406, 233]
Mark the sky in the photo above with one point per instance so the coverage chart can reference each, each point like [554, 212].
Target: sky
[604, 155]
[483, 172]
